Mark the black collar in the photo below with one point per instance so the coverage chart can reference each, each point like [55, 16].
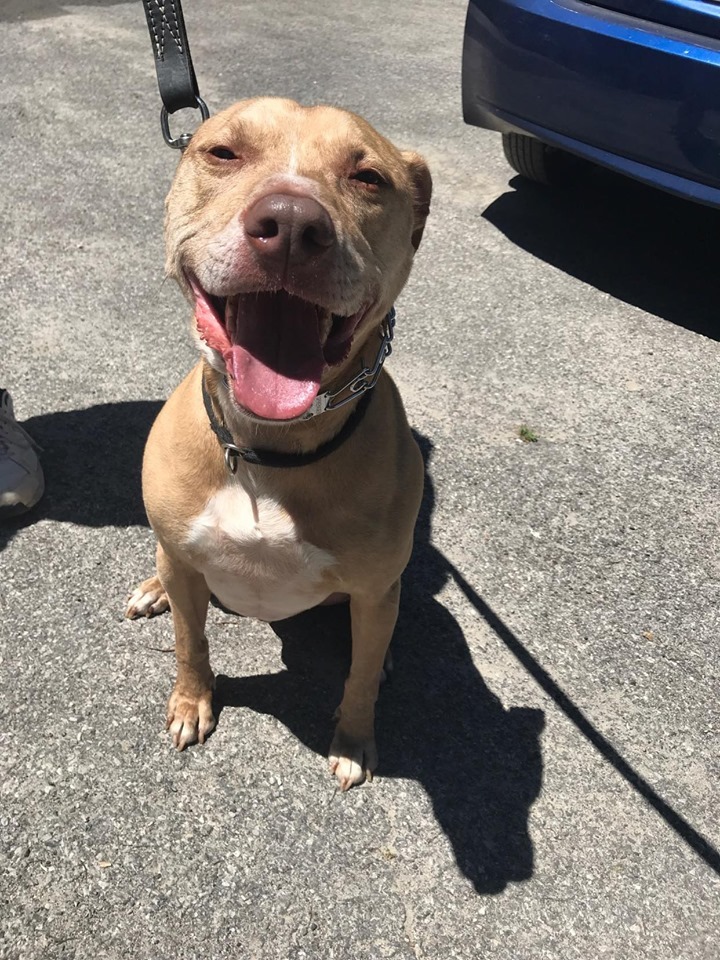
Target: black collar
[272, 458]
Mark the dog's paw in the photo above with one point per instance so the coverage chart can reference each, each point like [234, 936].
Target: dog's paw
[189, 718]
[147, 601]
[352, 760]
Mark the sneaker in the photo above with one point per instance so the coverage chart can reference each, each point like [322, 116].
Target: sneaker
[21, 477]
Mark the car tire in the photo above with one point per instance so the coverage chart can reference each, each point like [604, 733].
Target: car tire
[535, 160]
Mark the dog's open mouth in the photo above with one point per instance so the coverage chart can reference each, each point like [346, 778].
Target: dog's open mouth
[275, 346]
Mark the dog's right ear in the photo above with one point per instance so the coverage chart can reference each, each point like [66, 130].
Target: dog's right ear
[422, 190]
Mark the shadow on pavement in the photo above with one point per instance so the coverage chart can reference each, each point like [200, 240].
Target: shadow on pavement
[437, 721]
[695, 840]
[92, 460]
[641, 245]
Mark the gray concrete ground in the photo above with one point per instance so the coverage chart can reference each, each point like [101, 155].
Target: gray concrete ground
[549, 740]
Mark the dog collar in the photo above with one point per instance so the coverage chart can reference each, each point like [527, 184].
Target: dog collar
[365, 380]
[272, 458]
[360, 384]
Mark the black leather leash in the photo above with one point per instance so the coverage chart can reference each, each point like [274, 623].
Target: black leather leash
[272, 458]
[173, 64]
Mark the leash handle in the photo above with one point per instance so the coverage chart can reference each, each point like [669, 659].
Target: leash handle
[173, 65]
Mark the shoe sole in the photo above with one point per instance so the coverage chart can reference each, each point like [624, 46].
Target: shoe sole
[24, 501]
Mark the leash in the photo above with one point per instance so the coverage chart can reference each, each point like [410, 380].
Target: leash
[173, 65]
[272, 458]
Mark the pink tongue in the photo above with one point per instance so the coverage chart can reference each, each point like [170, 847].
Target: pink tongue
[275, 357]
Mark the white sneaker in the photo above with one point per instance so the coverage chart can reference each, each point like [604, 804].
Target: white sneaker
[21, 477]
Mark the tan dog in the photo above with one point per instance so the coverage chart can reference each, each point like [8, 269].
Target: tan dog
[292, 231]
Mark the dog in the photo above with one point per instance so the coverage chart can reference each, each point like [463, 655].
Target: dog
[282, 473]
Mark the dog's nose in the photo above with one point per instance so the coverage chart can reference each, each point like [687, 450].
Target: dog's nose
[288, 228]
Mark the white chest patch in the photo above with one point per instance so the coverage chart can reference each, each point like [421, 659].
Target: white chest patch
[254, 562]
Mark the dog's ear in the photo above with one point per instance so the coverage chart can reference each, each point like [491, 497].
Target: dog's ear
[422, 190]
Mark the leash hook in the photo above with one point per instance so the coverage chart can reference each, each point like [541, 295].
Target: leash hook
[180, 142]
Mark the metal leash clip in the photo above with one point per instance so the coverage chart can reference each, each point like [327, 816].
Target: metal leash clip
[180, 142]
[174, 67]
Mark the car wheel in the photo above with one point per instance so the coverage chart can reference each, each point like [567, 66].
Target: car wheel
[535, 160]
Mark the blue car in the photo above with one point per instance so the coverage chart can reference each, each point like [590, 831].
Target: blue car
[633, 85]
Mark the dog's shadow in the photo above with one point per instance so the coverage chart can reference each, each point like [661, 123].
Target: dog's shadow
[437, 721]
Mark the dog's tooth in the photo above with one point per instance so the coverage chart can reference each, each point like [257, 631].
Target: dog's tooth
[231, 314]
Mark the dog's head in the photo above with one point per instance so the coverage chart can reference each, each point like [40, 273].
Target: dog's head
[292, 230]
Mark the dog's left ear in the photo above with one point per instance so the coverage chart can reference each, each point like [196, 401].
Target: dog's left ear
[422, 190]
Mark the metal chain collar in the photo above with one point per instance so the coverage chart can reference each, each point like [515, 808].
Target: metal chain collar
[365, 380]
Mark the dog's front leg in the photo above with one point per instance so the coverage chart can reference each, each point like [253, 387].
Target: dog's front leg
[353, 752]
[189, 713]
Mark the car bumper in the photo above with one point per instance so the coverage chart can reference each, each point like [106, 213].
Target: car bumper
[635, 96]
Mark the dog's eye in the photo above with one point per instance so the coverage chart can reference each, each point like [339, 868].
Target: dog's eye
[222, 153]
[371, 178]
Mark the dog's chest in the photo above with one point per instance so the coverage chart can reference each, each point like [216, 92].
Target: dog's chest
[253, 558]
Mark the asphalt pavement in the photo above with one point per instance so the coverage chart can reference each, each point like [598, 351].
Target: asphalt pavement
[548, 780]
